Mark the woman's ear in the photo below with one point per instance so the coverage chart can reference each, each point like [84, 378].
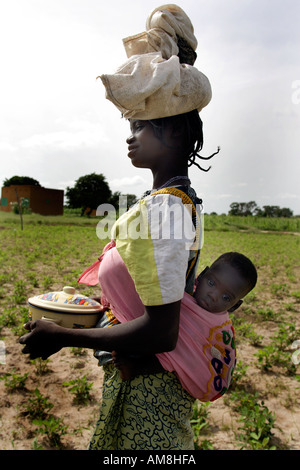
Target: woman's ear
[237, 305]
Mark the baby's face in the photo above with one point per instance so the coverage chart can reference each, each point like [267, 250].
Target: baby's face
[220, 288]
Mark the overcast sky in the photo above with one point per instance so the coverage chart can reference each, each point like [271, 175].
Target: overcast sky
[56, 125]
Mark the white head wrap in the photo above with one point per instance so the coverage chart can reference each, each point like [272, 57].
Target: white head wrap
[152, 83]
[163, 26]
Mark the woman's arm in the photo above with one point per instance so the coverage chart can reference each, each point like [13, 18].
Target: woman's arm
[154, 332]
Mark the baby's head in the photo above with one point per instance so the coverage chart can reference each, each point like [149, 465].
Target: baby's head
[222, 286]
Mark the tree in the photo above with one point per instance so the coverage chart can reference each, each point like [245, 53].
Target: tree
[251, 208]
[114, 199]
[276, 211]
[243, 208]
[234, 208]
[131, 199]
[271, 211]
[286, 212]
[20, 180]
[88, 193]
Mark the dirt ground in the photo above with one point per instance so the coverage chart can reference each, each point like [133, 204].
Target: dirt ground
[17, 432]
[16, 429]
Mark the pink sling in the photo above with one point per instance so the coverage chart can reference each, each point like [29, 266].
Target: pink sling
[204, 357]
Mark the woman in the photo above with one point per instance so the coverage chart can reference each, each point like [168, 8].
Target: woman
[155, 409]
[149, 412]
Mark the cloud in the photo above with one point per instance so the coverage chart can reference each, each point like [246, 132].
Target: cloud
[288, 196]
[60, 139]
[221, 196]
[64, 184]
[55, 122]
[76, 134]
[127, 181]
[7, 147]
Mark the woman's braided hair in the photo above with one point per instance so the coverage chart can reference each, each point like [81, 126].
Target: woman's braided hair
[186, 53]
[189, 123]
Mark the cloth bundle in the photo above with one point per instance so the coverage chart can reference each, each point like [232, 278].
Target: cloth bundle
[163, 26]
[153, 83]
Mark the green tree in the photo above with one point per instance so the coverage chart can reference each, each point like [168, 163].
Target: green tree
[131, 199]
[20, 180]
[115, 198]
[234, 208]
[88, 193]
[286, 212]
[271, 211]
[251, 208]
[243, 208]
[276, 211]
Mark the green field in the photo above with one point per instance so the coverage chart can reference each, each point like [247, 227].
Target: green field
[261, 410]
[212, 222]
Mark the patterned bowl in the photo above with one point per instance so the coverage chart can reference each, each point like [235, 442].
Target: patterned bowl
[66, 308]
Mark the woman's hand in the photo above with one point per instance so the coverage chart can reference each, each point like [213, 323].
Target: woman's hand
[43, 339]
[154, 332]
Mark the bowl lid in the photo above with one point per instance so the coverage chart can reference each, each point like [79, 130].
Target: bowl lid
[66, 301]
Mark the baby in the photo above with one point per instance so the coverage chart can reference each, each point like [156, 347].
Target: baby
[222, 287]
[219, 289]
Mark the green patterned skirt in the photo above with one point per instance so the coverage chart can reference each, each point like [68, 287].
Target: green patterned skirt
[149, 412]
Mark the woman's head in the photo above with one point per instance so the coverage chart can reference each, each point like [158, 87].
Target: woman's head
[187, 130]
[181, 136]
[186, 127]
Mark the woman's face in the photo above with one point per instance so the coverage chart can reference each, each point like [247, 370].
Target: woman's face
[145, 149]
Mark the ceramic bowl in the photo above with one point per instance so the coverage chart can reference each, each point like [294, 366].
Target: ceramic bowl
[66, 308]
